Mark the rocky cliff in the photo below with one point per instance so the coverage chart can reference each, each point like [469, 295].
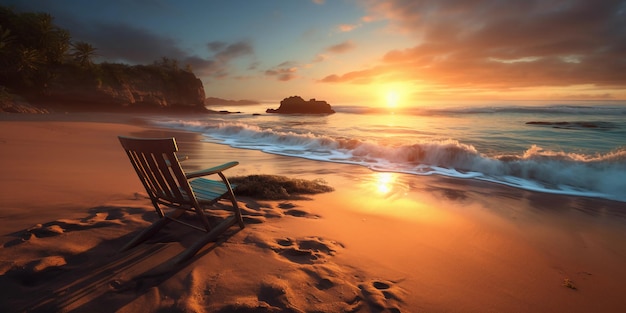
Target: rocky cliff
[123, 87]
[10, 103]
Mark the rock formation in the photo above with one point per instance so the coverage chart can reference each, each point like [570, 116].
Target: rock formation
[137, 87]
[10, 103]
[297, 105]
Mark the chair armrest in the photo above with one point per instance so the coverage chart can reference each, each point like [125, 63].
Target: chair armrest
[212, 170]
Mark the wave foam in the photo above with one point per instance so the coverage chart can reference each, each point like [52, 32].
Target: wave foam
[600, 175]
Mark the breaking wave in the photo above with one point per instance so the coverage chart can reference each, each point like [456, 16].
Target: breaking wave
[599, 175]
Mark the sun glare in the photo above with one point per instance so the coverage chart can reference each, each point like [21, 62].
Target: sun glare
[392, 99]
[384, 182]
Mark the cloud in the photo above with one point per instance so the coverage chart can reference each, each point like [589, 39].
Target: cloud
[119, 42]
[344, 28]
[368, 19]
[596, 96]
[284, 72]
[319, 1]
[356, 77]
[341, 47]
[499, 44]
[216, 46]
[225, 52]
[126, 43]
[320, 57]
[254, 65]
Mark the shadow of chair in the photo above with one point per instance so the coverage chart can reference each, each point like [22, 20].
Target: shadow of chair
[174, 192]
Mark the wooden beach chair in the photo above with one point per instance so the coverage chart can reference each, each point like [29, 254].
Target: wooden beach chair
[174, 192]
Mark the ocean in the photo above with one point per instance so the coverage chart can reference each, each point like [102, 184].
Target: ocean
[573, 148]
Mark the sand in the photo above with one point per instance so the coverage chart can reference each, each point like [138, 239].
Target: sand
[379, 243]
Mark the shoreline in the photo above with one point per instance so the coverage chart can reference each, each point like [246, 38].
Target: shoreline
[411, 243]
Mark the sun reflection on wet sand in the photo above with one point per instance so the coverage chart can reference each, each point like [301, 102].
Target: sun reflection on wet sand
[384, 182]
[389, 194]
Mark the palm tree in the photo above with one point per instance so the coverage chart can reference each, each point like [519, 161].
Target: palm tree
[5, 38]
[42, 34]
[31, 61]
[83, 52]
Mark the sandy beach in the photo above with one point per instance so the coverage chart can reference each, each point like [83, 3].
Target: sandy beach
[378, 243]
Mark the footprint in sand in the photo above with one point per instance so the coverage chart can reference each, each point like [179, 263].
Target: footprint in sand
[37, 271]
[383, 295]
[98, 217]
[257, 213]
[290, 209]
[306, 250]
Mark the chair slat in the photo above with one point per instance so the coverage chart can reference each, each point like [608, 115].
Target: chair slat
[147, 175]
[157, 176]
[169, 184]
[208, 190]
[183, 190]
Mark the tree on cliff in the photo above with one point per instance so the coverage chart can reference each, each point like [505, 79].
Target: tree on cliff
[83, 53]
[36, 62]
[5, 39]
[31, 44]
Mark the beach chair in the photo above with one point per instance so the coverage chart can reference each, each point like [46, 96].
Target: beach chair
[174, 192]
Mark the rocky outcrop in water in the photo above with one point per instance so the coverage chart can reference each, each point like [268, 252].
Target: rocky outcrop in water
[297, 105]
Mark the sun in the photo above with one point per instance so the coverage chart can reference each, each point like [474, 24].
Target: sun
[392, 99]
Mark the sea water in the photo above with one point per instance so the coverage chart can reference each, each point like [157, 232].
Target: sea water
[565, 148]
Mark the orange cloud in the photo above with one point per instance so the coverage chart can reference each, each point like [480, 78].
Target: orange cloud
[283, 72]
[347, 27]
[367, 19]
[341, 47]
[319, 58]
[503, 44]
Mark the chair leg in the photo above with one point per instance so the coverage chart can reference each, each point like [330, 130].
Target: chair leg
[238, 216]
[231, 195]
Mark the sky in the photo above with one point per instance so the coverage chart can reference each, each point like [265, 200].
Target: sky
[365, 52]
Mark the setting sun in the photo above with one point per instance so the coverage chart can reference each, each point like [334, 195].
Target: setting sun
[392, 99]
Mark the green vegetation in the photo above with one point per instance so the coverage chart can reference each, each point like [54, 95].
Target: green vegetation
[274, 187]
[36, 54]
[30, 44]
[83, 53]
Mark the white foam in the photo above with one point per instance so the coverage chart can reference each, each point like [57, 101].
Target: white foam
[599, 175]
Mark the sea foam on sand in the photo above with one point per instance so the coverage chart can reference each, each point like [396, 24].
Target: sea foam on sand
[378, 243]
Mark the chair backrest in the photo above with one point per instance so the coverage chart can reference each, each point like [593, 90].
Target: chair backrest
[158, 169]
